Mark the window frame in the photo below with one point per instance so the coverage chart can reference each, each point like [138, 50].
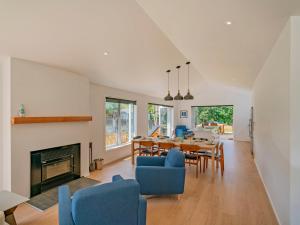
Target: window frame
[171, 119]
[132, 120]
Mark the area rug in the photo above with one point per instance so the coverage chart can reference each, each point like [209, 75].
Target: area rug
[50, 198]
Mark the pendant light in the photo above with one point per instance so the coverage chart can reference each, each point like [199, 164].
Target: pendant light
[168, 97]
[188, 96]
[178, 96]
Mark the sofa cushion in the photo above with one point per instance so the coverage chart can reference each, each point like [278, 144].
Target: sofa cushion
[175, 158]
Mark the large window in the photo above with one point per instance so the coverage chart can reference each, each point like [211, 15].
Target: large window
[209, 116]
[160, 119]
[120, 122]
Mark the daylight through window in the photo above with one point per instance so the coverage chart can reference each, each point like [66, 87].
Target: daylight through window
[120, 122]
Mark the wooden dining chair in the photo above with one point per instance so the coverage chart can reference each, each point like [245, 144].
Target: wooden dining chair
[164, 147]
[147, 148]
[191, 155]
[219, 158]
[208, 156]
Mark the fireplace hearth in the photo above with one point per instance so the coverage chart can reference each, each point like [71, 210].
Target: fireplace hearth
[53, 167]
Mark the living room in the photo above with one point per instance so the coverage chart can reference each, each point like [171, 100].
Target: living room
[65, 65]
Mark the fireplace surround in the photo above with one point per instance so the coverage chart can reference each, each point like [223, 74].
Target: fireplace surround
[53, 167]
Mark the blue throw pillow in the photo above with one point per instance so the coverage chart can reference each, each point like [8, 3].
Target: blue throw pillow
[175, 158]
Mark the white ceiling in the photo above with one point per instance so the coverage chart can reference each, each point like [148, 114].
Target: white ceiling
[230, 54]
[75, 34]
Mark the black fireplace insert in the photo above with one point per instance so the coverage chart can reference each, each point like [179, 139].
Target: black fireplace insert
[53, 167]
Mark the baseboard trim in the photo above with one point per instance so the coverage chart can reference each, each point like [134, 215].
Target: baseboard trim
[266, 190]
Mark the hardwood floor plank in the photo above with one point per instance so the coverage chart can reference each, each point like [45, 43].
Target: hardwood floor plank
[238, 198]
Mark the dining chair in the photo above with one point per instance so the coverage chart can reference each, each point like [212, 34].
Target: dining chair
[219, 158]
[191, 155]
[147, 148]
[208, 156]
[163, 148]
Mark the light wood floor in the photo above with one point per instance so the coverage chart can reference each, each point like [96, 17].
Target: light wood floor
[236, 199]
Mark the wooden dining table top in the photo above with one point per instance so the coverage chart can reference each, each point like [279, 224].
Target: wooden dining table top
[202, 143]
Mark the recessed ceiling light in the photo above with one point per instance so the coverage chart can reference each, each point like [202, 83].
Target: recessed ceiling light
[105, 53]
[228, 22]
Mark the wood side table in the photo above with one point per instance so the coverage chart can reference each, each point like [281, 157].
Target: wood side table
[9, 201]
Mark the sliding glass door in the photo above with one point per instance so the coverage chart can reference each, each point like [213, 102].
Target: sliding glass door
[213, 116]
[160, 119]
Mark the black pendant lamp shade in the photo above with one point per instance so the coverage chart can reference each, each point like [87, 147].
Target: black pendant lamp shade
[178, 96]
[168, 97]
[188, 96]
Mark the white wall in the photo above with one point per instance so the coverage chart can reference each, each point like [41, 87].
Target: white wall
[45, 91]
[295, 122]
[97, 102]
[214, 94]
[1, 122]
[271, 125]
[5, 124]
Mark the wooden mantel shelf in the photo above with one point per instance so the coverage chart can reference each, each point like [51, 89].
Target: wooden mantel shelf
[53, 119]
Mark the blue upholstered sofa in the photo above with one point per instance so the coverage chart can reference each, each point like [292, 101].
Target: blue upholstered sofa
[116, 203]
[161, 175]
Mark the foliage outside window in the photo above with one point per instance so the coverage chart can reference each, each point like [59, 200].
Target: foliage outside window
[203, 115]
[120, 122]
[160, 118]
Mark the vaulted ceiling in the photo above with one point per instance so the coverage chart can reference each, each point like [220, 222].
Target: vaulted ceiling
[231, 54]
[144, 38]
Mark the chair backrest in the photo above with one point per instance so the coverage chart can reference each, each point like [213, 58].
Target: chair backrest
[180, 130]
[189, 147]
[182, 127]
[175, 158]
[166, 145]
[217, 149]
[146, 143]
[112, 203]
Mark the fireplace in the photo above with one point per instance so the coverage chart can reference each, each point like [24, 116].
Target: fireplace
[53, 167]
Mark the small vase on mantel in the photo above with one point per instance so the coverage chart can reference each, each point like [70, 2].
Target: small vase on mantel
[22, 111]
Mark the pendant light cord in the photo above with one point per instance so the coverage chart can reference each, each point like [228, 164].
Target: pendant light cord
[178, 67]
[188, 65]
[178, 79]
[168, 72]
[188, 77]
[168, 81]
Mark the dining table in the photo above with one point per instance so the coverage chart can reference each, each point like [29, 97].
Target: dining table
[204, 145]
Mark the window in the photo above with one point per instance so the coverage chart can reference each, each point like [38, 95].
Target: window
[160, 119]
[217, 115]
[120, 122]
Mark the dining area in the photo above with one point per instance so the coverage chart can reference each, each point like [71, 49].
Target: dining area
[198, 152]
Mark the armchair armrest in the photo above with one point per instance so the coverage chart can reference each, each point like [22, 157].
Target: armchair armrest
[64, 206]
[150, 161]
[142, 211]
[117, 178]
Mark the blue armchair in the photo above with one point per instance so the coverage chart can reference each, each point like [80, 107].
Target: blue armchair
[182, 131]
[161, 175]
[116, 203]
